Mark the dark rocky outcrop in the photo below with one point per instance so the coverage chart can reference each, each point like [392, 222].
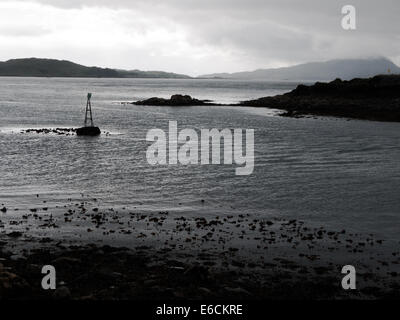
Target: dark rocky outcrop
[175, 100]
[84, 131]
[376, 98]
[59, 131]
[88, 131]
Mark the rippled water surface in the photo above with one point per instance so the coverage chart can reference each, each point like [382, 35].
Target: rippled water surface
[342, 173]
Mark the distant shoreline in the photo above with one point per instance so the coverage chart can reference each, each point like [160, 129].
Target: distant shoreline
[308, 72]
[35, 67]
[91, 77]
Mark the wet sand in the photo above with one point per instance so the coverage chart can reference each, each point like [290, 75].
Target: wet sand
[129, 253]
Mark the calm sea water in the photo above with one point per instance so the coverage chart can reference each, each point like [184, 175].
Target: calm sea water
[331, 171]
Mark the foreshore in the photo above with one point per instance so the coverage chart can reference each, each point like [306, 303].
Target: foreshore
[172, 257]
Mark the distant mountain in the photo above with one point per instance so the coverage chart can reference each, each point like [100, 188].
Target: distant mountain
[34, 67]
[151, 74]
[345, 69]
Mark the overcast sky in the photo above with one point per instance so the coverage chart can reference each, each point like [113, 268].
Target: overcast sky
[196, 36]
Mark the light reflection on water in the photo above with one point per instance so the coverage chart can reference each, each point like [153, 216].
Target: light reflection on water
[343, 173]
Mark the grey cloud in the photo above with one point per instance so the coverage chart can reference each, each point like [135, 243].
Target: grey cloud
[23, 31]
[265, 30]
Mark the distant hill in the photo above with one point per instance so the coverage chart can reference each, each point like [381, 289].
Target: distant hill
[345, 69]
[34, 67]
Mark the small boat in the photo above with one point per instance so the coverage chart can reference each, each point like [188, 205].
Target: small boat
[89, 129]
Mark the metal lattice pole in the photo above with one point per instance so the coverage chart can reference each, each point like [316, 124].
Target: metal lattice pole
[89, 111]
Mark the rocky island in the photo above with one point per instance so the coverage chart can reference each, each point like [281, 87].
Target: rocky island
[175, 100]
[376, 98]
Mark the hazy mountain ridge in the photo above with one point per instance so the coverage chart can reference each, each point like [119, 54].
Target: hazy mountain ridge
[35, 67]
[345, 69]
